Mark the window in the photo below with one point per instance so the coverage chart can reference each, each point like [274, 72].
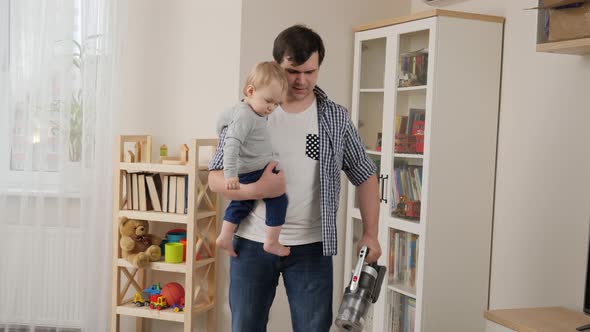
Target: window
[4, 34]
[4, 64]
[41, 89]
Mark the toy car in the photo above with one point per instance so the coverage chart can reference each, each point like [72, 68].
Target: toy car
[153, 289]
[158, 302]
[141, 299]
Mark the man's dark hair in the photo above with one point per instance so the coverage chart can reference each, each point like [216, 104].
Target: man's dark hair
[297, 43]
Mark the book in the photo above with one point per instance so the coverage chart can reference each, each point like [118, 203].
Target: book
[154, 185]
[172, 194]
[128, 192]
[165, 181]
[396, 267]
[391, 255]
[185, 194]
[411, 314]
[416, 114]
[180, 193]
[414, 182]
[413, 259]
[142, 192]
[396, 312]
[135, 191]
[418, 177]
[401, 123]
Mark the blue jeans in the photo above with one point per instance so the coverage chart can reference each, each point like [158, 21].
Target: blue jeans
[254, 276]
[276, 207]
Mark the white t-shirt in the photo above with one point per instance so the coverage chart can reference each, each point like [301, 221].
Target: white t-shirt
[295, 143]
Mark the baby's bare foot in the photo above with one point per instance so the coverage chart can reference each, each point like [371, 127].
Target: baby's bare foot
[226, 244]
[276, 248]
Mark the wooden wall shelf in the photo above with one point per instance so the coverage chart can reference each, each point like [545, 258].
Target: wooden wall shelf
[580, 46]
[574, 47]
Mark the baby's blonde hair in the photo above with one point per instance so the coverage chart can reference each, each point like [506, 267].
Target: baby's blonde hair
[264, 73]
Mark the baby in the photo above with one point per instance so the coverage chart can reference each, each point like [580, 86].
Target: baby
[247, 152]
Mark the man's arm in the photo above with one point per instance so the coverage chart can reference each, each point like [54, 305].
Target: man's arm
[269, 185]
[368, 194]
[360, 170]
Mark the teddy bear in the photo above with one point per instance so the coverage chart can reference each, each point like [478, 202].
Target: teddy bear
[138, 246]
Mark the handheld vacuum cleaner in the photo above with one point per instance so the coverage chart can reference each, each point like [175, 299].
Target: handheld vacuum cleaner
[363, 290]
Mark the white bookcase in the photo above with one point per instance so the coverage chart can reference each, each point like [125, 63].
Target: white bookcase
[441, 70]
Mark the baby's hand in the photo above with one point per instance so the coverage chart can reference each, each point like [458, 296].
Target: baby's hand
[232, 183]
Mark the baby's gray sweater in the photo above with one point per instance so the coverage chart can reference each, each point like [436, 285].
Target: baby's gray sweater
[247, 140]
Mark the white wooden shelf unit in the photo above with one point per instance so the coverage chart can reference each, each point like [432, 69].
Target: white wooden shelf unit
[442, 284]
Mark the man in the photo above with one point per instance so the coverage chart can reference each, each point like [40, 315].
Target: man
[313, 140]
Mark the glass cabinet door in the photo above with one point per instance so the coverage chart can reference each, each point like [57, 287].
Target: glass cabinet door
[368, 102]
[408, 127]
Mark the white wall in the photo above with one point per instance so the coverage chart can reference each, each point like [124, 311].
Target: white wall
[180, 67]
[542, 209]
[333, 20]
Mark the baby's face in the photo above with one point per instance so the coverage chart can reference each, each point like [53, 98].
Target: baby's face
[264, 100]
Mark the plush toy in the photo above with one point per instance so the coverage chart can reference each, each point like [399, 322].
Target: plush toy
[138, 247]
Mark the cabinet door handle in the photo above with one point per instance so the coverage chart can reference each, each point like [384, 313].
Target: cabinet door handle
[383, 188]
[380, 188]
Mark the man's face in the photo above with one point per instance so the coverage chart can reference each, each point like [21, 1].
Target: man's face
[302, 78]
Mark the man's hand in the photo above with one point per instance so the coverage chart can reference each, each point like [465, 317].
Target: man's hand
[374, 248]
[271, 184]
[232, 183]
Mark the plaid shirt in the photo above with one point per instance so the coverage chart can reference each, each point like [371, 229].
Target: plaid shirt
[340, 149]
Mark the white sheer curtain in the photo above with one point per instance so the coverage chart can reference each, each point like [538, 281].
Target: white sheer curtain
[59, 62]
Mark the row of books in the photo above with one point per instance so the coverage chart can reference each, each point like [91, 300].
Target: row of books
[403, 313]
[407, 181]
[156, 192]
[403, 253]
[413, 68]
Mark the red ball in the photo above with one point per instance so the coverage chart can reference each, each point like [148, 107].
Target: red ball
[173, 292]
